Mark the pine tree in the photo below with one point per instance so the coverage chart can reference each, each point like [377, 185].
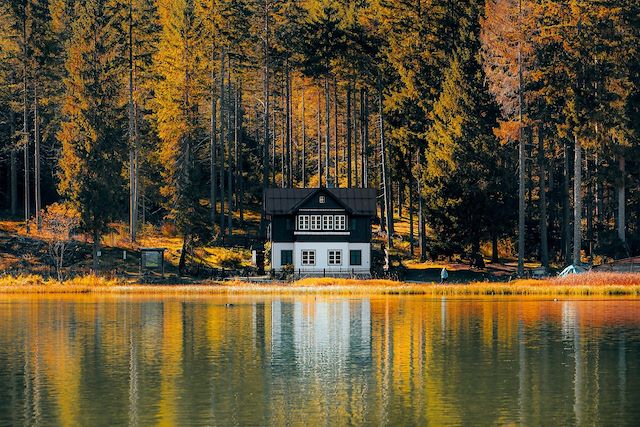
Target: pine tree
[92, 134]
[461, 158]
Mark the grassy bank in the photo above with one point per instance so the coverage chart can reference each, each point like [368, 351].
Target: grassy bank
[584, 285]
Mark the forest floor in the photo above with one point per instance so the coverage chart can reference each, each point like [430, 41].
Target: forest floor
[26, 254]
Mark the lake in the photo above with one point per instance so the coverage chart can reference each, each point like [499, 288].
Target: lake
[325, 360]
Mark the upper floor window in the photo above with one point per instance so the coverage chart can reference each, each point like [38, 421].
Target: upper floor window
[321, 222]
[316, 223]
[327, 222]
[303, 222]
[321, 199]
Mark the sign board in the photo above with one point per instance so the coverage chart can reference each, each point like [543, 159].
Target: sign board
[151, 259]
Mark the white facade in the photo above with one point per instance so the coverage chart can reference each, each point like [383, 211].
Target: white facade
[324, 257]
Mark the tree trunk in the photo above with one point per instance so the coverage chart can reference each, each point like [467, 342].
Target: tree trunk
[327, 136]
[132, 141]
[304, 141]
[36, 159]
[348, 126]
[521, 164]
[265, 147]
[319, 140]
[223, 135]
[577, 215]
[544, 247]
[213, 146]
[186, 240]
[621, 222]
[229, 152]
[239, 164]
[566, 207]
[25, 129]
[589, 207]
[96, 249]
[421, 225]
[495, 256]
[411, 241]
[383, 162]
[355, 130]
[288, 126]
[364, 137]
[336, 177]
[13, 164]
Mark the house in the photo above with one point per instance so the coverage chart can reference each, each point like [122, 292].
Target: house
[321, 231]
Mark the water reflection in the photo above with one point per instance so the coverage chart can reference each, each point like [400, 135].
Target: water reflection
[318, 360]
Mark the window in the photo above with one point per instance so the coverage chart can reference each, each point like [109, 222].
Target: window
[335, 258]
[286, 257]
[327, 222]
[316, 222]
[355, 257]
[340, 222]
[303, 222]
[308, 257]
[321, 199]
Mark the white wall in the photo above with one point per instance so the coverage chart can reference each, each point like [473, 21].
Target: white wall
[276, 262]
[322, 254]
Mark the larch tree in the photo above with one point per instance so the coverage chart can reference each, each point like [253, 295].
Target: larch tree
[180, 66]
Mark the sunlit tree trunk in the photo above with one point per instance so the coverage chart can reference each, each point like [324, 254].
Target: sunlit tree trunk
[327, 137]
[304, 141]
[336, 178]
[348, 126]
[383, 163]
[319, 140]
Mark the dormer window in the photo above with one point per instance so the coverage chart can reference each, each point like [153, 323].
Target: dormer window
[321, 199]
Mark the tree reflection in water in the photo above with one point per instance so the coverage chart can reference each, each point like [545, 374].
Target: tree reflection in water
[313, 360]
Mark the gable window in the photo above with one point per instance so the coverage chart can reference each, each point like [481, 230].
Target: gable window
[335, 257]
[308, 257]
[316, 223]
[327, 222]
[340, 222]
[286, 257]
[355, 257]
[303, 222]
[321, 199]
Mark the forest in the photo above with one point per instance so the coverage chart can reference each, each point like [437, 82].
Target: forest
[511, 124]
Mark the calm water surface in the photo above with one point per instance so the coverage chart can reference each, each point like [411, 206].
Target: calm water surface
[318, 361]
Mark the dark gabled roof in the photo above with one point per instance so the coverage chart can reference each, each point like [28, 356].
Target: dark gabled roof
[282, 201]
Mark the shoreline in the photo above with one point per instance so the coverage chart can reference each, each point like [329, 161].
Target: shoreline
[594, 284]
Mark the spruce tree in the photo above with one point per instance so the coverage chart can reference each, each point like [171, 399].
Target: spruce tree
[92, 132]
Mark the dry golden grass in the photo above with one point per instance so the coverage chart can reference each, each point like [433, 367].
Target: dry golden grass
[600, 284]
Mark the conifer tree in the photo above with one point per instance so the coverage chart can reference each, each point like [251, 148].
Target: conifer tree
[180, 66]
[92, 134]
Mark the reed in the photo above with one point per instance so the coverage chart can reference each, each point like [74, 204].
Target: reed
[593, 284]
